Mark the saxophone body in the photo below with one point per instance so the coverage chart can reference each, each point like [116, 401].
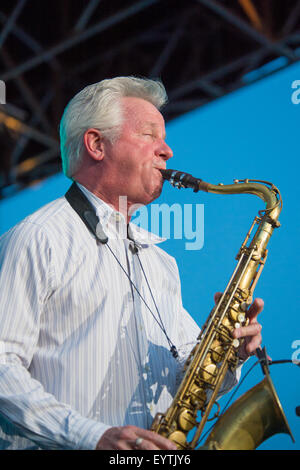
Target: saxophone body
[216, 351]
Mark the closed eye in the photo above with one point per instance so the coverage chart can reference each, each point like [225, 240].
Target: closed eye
[149, 135]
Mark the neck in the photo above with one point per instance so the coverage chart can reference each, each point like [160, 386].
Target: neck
[115, 200]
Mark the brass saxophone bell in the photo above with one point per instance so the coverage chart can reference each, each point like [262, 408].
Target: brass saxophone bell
[254, 417]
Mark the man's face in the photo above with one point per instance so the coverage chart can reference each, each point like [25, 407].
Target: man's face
[133, 160]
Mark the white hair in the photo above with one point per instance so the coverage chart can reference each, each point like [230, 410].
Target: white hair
[98, 106]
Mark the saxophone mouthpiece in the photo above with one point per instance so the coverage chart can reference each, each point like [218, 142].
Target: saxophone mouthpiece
[179, 179]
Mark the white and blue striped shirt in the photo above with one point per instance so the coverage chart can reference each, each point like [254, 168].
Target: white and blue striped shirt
[79, 350]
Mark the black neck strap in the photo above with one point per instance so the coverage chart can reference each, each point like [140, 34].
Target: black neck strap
[86, 211]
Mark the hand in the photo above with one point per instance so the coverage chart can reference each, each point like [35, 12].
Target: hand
[124, 438]
[251, 332]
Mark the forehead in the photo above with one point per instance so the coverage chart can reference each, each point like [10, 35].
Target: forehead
[141, 112]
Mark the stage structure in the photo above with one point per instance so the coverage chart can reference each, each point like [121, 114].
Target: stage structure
[201, 49]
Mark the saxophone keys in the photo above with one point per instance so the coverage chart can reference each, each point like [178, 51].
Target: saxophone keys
[198, 397]
[234, 314]
[227, 323]
[244, 306]
[217, 351]
[208, 373]
[237, 313]
[256, 256]
[179, 438]
[186, 420]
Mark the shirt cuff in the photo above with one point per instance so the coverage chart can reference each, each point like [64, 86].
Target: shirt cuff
[86, 433]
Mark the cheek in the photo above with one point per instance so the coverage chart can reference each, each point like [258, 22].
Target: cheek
[142, 161]
[136, 161]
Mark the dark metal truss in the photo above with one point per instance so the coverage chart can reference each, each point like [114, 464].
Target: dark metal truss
[201, 49]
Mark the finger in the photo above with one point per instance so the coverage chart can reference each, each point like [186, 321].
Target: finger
[252, 344]
[252, 329]
[217, 296]
[255, 309]
[116, 439]
[144, 445]
[124, 445]
[154, 439]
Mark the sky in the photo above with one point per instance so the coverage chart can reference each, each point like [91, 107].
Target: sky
[250, 133]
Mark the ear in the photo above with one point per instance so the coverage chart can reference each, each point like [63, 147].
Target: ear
[93, 142]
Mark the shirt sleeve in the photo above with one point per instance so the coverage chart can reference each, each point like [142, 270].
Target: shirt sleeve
[25, 283]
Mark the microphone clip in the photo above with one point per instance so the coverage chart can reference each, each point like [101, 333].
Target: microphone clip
[263, 359]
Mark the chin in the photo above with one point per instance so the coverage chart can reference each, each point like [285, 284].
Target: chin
[156, 194]
[150, 193]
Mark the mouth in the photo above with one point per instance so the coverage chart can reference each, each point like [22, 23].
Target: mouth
[159, 170]
[161, 167]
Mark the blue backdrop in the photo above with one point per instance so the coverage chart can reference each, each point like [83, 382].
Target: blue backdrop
[251, 133]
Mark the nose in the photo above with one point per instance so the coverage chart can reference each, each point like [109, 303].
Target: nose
[164, 151]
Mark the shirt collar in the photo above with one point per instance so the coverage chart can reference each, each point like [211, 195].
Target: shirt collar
[114, 224]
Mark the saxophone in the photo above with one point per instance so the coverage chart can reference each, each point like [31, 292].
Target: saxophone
[258, 414]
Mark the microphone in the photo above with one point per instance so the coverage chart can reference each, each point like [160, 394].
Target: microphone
[133, 248]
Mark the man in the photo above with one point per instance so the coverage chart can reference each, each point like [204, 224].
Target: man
[88, 327]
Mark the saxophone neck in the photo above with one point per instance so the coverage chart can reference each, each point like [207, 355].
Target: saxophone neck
[263, 189]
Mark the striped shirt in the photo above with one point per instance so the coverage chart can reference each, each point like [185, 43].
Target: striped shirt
[81, 348]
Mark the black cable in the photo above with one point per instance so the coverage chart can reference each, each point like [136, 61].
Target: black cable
[238, 386]
[172, 346]
[161, 325]
[284, 361]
